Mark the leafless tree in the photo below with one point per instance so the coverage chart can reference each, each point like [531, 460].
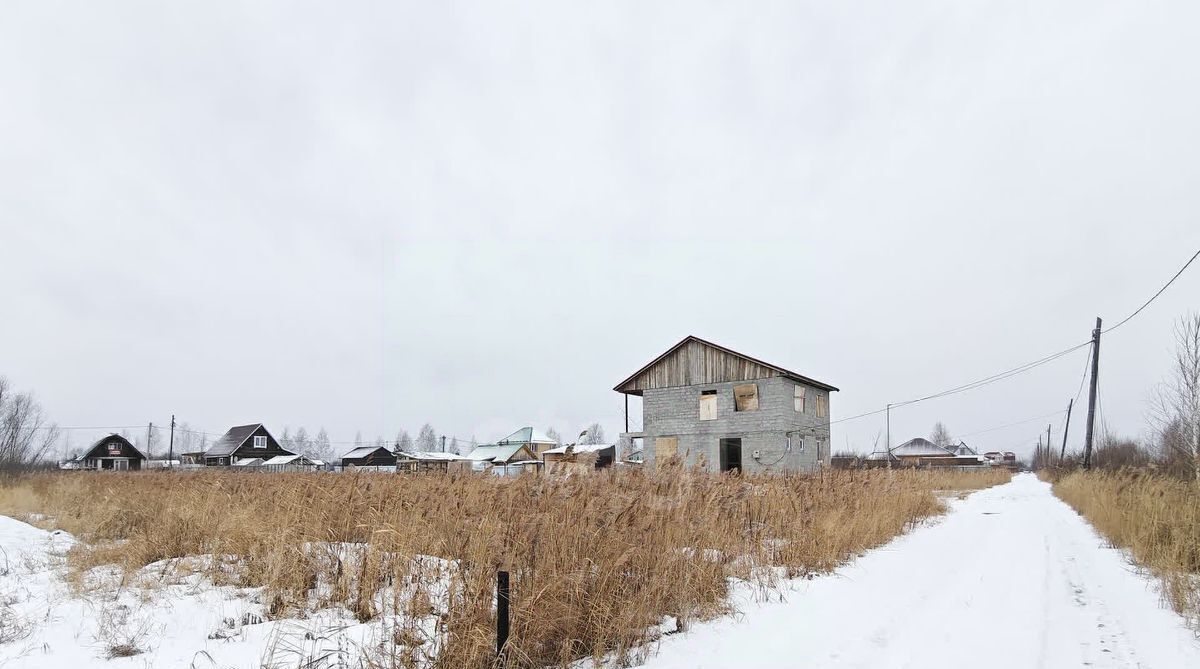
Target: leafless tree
[427, 439]
[404, 442]
[1176, 402]
[595, 434]
[553, 434]
[940, 435]
[25, 433]
[320, 448]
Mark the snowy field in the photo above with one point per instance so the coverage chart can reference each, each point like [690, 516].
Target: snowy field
[1010, 578]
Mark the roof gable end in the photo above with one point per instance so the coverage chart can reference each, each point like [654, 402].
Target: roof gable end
[695, 361]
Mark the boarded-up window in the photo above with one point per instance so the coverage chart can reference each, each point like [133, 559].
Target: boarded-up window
[708, 405]
[822, 406]
[745, 398]
[665, 448]
[799, 399]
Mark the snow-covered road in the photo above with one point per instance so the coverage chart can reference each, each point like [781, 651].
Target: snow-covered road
[1011, 578]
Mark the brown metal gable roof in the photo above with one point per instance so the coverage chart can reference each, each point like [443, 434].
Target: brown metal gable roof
[690, 338]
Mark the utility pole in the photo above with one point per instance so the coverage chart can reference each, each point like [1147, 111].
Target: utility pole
[1063, 455]
[171, 448]
[889, 436]
[1038, 454]
[1091, 419]
[149, 434]
[1048, 451]
[443, 443]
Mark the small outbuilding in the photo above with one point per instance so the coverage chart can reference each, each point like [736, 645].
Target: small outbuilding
[579, 458]
[369, 456]
[113, 452]
[420, 462]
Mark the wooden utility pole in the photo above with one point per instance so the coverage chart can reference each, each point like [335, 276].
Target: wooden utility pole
[149, 435]
[1048, 451]
[1067, 426]
[171, 448]
[888, 445]
[1091, 419]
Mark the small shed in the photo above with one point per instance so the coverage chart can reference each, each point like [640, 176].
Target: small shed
[369, 456]
[580, 458]
[113, 452]
[421, 462]
[292, 463]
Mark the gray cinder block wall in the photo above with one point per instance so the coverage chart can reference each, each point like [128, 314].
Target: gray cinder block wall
[785, 440]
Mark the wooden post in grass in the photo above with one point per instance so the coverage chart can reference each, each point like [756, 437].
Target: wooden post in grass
[503, 598]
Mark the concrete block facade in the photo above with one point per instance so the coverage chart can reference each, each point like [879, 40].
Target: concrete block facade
[774, 438]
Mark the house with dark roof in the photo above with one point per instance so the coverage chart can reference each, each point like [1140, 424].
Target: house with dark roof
[709, 406]
[113, 452]
[244, 442]
[370, 456]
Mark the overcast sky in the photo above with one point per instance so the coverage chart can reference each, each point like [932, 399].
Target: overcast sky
[366, 216]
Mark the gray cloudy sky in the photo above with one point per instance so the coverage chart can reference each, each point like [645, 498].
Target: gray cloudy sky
[366, 216]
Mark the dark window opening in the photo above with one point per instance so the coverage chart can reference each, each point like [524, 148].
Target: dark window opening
[731, 455]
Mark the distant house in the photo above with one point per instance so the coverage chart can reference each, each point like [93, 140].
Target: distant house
[419, 462]
[579, 458]
[244, 442]
[369, 456]
[512, 455]
[113, 452]
[915, 449]
[709, 406]
[534, 441]
[924, 453]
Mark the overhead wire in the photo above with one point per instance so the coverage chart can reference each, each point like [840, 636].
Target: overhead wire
[1154, 296]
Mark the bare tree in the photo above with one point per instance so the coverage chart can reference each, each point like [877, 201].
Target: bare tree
[940, 435]
[453, 447]
[553, 434]
[427, 439]
[301, 443]
[595, 434]
[1176, 402]
[25, 433]
[320, 448]
[404, 442]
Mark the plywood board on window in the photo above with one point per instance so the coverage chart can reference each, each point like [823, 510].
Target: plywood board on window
[745, 397]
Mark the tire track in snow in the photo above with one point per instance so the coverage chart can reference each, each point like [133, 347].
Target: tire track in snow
[1011, 578]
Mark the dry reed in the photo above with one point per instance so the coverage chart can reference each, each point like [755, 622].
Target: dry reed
[1155, 517]
[598, 562]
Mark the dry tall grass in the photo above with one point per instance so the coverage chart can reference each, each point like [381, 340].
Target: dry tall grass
[1157, 518]
[598, 562]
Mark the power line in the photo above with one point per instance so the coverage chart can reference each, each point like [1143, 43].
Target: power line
[1020, 422]
[994, 378]
[1155, 296]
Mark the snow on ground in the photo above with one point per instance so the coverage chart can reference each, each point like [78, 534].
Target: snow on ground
[1011, 578]
[174, 618]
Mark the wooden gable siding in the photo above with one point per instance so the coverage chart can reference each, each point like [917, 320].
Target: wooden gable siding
[696, 364]
[100, 450]
[247, 449]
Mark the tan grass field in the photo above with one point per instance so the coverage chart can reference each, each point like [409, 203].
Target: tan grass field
[1157, 518]
[597, 562]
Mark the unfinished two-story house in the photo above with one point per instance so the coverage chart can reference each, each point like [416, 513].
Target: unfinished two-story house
[706, 405]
